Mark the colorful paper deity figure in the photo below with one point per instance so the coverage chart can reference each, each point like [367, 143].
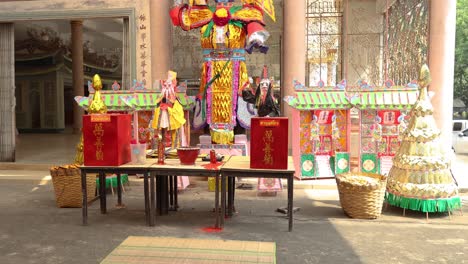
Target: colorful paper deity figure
[264, 100]
[335, 128]
[169, 113]
[376, 129]
[314, 129]
[402, 126]
[227, 32]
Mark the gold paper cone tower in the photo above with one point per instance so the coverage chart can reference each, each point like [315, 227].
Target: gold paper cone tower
[420, 178]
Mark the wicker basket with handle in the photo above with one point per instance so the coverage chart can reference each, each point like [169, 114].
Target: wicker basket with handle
[361, 194]
[67, 185]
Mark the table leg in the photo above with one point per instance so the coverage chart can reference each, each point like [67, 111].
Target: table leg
[102, 192]
[147, 200]
[166, 195]
[217, 200]
[230, 195]
[290, 201]
[223, 200]
[176, 193]
[153, 194]
[158, 194]
[171, 192]
[84, 188]
[233, 204]
[119, 190]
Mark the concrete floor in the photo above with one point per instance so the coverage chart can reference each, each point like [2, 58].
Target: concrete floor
[34, 230]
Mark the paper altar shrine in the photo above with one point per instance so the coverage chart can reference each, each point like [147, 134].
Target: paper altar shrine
[420, 178]
[322, 129]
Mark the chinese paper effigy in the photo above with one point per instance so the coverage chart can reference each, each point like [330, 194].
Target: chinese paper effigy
[227, 32]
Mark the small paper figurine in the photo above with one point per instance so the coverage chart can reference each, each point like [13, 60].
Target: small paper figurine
[97, 106]
[169, 114]
[335, 129]
[314, 129]
[376, 130]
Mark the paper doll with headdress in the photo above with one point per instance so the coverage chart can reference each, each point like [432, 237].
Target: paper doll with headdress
[376, 129]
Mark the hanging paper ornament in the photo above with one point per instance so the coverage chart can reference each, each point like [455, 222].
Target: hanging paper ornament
[321, 84]
[389, 84]
[115, 86]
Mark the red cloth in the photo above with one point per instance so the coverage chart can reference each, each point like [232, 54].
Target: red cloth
[269, 143]
[106, 139]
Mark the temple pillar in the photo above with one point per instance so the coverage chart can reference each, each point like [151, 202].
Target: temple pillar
[126, 83]
[161, 39]
[7, 92]
[77, 71]
[294, 52]
[441, 63]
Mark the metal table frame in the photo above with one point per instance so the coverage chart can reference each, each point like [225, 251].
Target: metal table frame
[155, 191]
[239, 166]
[127, 168]
[166, 183]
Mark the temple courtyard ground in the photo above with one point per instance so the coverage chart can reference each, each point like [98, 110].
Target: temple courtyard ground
[34, 230]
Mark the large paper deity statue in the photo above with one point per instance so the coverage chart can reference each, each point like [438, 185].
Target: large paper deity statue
[227, 32]
[420, 178]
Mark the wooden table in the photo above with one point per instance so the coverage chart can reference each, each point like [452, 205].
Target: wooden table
[126, 168]
[166, 175]
[156, 192]
[239, 166]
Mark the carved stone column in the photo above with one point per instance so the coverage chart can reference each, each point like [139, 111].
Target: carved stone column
[7, 92]
[77, 71]
[161, 39]
[441, 63]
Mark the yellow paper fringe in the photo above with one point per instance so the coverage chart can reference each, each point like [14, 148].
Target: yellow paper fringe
[222, 136]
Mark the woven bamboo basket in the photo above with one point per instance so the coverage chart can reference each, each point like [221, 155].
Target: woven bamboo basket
[67, 186]
[362, 198]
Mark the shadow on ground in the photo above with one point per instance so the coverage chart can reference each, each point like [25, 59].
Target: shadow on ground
[34, 230]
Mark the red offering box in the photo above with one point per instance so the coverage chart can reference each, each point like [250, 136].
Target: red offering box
[106, 139]
[269, 143]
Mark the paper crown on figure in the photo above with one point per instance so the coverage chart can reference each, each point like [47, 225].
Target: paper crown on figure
[265, 78]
